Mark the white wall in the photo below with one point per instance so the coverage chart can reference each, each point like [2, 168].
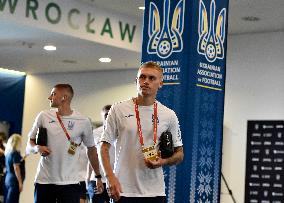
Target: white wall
[254, 91]
[92, 91]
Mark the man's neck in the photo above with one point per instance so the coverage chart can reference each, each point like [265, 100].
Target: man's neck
[145, 101]
[65, 110]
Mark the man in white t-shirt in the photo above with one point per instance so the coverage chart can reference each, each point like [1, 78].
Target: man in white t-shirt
[135, 126]
[57, 178]
[95, 195]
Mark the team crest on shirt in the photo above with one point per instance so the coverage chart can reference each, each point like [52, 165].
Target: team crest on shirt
[70, 125]
[154, 118]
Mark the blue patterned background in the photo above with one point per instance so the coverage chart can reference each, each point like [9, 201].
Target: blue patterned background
[12, 91]
[199, 106]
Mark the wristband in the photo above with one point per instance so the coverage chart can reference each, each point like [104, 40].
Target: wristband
[98, 176]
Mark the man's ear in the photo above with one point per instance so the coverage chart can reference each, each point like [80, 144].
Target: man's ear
[161, 85]
[64, 98]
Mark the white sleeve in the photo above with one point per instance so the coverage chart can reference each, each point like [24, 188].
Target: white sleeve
[175, 130]
[36, 125]
[110, 128]
[87, 136]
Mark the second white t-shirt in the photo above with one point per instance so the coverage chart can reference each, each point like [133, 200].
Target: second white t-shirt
[60, 167]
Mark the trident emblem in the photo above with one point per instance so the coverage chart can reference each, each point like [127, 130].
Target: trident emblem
[211, 41]
[167, 39]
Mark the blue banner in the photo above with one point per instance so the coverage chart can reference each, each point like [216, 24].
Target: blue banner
[188, 39]
[12, 91]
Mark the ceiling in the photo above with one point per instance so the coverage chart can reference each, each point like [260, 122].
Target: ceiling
[21, 46]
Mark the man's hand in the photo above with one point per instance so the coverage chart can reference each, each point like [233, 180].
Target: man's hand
[159, 162]
[99, 186]
[114, 188]
[43, 150]
[152, 164]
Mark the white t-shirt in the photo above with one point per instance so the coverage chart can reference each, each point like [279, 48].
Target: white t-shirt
[60, 167]
[97, 136]
[83, 162]
[135, 178]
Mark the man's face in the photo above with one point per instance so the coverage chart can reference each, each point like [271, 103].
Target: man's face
[56, 98]
[148, 81]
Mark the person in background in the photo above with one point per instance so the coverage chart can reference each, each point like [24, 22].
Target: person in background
[95, 195]
[15, 173]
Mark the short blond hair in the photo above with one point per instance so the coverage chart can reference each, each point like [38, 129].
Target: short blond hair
[153, 65]
[13, 143]
[67, 87]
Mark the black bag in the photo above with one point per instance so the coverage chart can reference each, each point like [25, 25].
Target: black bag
[166, 145]
[41, 136]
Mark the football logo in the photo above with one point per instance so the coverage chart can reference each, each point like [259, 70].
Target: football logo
[211, 40]
[165, 39]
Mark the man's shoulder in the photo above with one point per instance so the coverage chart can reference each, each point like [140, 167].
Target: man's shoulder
[165, 108]
[77, 116]
[47, 112]
[122, 104]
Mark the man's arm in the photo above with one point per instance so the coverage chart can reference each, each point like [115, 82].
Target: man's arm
[114, 185]
[106, 159]
[94, 161]
[31, 144]
[33, 148]
[176, 158]
[93, 158]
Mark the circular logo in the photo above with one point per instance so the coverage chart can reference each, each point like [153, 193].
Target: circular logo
[164, 48]
[210, 52]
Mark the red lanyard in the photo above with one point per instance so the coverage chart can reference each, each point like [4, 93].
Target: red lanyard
[63, 127]
[139, 123]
